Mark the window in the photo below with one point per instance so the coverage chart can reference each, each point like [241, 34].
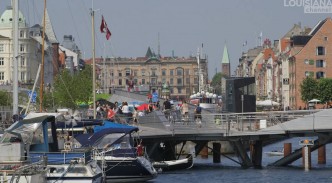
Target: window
[326, 38]
[120, 74]
[143, 81]
[320, 75]
[163, 72]
[22, 76]
[22, 48]
[320, 50]
[285, 81]
[120, 82]
[2, 47]
[179, 90]
[179, 72]
[171, 72]
[2, 61]
[128, 72]
[2, 76]
[179, 81]
[143, 72]
[187, 72]
[320, 63]
[187, 81]
[309, 74]
[135, 72]
[163, 80]
[22, 34]
[171, 81]
[306, 61]
[22, 61]
[153, 73]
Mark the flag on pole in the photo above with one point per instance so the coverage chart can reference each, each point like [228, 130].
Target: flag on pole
[104, 28]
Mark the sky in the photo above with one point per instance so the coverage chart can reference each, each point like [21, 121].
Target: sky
[183, 25]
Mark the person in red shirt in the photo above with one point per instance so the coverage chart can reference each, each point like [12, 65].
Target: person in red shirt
[110, 114]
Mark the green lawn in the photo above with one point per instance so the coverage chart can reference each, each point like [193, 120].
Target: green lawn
[105, 96]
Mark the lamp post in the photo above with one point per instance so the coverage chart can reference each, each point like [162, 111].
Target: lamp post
[242, 99]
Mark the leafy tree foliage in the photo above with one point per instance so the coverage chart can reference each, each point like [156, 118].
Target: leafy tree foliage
[324, 90]
[69, 90]
[5, 99]
[216, 82]
[309, 89]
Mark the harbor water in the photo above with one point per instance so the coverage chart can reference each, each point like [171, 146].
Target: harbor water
[205, 171]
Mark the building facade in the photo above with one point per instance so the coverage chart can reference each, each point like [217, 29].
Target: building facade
[180, 74]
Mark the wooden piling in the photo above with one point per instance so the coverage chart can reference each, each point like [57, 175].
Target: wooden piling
[216, 152]
[287, 149]
[322, 155]
[205, 152]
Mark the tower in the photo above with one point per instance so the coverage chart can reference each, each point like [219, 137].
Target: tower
[225, 65]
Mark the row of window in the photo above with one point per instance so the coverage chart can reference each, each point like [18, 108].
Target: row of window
[319, 63]
[22, 61]
[153, 72]
[154, 81]
[2, 76]
[22, 48]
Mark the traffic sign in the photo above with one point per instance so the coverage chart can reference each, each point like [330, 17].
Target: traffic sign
[34, 96]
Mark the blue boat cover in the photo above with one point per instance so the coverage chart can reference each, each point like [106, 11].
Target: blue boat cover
[87, 140]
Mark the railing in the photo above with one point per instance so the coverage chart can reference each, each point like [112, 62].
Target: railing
[226, 122]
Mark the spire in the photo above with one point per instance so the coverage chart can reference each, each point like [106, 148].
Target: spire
[49, 29]
[225, 57]
[149, 53]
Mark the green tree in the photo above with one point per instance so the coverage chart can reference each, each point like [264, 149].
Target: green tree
[216, 82]
[324, 89]
[309, 89]
[5, 99]
[69, 90]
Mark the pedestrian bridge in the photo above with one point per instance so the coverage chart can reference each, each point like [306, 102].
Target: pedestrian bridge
[242, 130]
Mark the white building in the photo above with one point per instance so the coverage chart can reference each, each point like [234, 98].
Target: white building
[30, 45]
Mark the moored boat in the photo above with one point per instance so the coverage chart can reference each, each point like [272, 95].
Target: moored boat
[171, 165]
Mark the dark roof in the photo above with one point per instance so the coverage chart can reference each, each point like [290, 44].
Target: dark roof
[300, 40]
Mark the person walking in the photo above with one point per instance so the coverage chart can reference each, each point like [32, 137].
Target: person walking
[184, 112]
[167, 108]
[198, 116]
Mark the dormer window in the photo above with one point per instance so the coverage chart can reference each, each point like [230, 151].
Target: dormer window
[10, 19]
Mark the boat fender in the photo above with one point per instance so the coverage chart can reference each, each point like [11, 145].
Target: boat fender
[140, 151]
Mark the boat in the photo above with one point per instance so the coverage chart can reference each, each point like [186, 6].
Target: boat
[180, 164]
[116, 153]
[63, 164]
[275, 153]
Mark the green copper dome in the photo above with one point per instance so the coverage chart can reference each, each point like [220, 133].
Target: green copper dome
[6, 19]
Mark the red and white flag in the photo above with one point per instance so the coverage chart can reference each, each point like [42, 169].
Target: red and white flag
[104, 28]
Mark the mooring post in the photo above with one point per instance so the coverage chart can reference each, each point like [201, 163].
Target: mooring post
[216, 152]
[322, 155]
[256, 152]
[287, 149]
[205, 152]
[306, 153]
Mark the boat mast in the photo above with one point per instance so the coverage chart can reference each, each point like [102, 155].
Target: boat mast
[41, 89]
[93, 61]
[16, 56]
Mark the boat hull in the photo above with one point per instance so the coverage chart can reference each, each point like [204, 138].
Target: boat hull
[172, 165]
[127, 169]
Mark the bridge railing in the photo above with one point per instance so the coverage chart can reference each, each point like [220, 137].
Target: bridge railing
[253, 121]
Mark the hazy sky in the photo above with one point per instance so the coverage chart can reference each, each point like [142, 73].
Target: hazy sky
[183, 25]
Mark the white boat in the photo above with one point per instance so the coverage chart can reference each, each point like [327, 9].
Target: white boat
[180, 164]
[275, 153]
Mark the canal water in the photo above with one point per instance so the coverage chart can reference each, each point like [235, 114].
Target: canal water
[205, 171]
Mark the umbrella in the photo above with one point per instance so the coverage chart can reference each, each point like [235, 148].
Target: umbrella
[314, 100]
[143, 107]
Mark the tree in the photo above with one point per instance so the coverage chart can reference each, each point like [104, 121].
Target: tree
[5, 99]
[324, 89]
[69, 90]
[216, 82]
[309, 89]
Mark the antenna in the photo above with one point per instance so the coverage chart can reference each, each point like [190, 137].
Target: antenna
[158, 44]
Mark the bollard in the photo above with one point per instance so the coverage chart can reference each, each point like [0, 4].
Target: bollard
[216, 152]
[205, 152]
[287, 149]
[306, 157]
[322, 155]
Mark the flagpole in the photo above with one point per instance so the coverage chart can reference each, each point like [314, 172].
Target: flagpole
[93, 61]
